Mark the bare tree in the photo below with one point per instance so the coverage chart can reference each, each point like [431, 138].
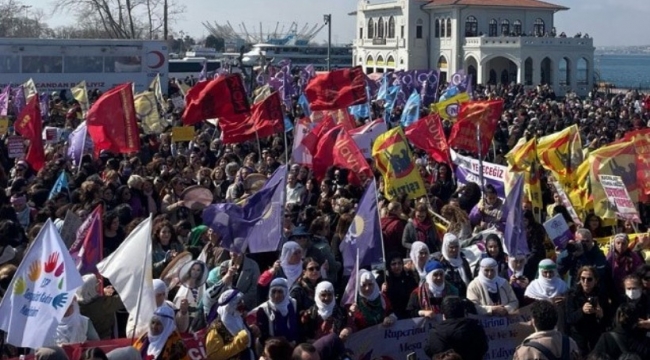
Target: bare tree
[15, 22]
[122, 19]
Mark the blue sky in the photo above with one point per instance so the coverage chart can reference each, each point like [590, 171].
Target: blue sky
[609, 22]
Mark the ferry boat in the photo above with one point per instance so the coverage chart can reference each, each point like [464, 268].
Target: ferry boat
[300, 55]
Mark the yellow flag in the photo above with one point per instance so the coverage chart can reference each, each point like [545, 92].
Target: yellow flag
[580, 195]
[523, 155]
[561, 154]
[30, 89]
[448, 109]
[617, 159]
[393, 159]
[157, 90]
[146, 110]
[80, 93]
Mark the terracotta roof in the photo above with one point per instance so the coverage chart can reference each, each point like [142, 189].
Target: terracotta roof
[502, 3]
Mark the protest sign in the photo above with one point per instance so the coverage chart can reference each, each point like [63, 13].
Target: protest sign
[411, 335]
[567, 203]
[619, 198]
[467, 170]
[558, 231]
[15, 147]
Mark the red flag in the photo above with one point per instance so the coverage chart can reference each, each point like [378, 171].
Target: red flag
[311, 140]
[30, 126]
[337, 89]
[427, 134]
[88, 248]
[266, 119]
[337, 148]
[485, 114]
[112, 123]
[223, 97]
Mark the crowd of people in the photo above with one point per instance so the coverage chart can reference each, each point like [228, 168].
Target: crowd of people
[287, 304]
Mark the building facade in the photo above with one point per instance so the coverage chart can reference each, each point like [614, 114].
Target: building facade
[497, 41]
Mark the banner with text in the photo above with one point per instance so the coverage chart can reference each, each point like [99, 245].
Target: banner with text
[406, 336]
[619, 198]
[467, 170]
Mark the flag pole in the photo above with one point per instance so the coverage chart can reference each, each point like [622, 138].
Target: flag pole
[83, 147]
[286, 148]
[259, 145]
[381, 234]
[356, 281]
[480, 160]
[140, 291]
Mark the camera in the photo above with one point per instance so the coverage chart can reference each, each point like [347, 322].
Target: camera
[593, 301]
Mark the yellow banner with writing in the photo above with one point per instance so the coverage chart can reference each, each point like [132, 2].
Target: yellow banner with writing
[393, 159]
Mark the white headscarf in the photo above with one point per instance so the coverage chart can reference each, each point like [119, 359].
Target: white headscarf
[159, 287]
[416, 247]
[511, 265]
[292, 272]
[543, 288]
[228, 313]
[72, 329]
[492, 285]
[88, 291]
[165, 315]
[364, 276]
[436, 290]
[457, 262]
[324, 310]
[282, 306]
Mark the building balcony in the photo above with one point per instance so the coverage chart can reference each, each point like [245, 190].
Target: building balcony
[527, 42]
[380, 43]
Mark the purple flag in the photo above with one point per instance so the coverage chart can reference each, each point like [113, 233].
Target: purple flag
[228, 220]
[514, 235]
[79, 144]
[18, 99]
[364, 233]
[44, 100]
[352, 287]
[268, 203]
[87, 249]
[4, 101]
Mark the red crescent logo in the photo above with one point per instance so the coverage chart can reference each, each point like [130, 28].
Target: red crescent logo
[160, 59]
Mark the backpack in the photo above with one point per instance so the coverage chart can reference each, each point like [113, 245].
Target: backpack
[565, 355]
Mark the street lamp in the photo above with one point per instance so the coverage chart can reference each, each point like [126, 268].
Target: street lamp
[328, 20]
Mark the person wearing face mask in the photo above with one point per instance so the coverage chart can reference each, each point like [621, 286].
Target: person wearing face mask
[427, 298]
[278, 317]
[372, 306]
[289, 267]
[623, 261]
[634, 296]
[228, 336]
[491, 293]
[548, 285]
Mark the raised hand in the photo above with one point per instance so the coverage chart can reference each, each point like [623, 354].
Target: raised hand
[59, 270]
[34, 271]
[50, 265]
[59, 300]
[20, 286]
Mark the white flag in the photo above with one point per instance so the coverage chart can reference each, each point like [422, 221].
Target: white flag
[365, 136]
[40, 292]
[129, 269]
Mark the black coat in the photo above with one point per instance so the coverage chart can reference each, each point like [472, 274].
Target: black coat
[585, 329]
[633, 341]
[455, 334]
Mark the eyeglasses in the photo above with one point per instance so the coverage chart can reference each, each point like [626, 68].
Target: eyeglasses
[586, 279]
[312, 268]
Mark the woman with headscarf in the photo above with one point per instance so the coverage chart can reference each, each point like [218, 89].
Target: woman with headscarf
[427, 298]
[372, 306]
[99, 308]
[516, 277]
[623, 261]
[161, 293]
[457, 270]
[193, 276]
[289, 266]
[74, 328]
[397, 284]
[228, 337]
[494, 250]
[490, 293]
[548, 285]
[198, 237]
[419, 255]
[162, 341]
[278, 316]
[325, 317]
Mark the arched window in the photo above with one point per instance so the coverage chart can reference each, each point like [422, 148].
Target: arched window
[492, 28]
[505, 27]
[391, 28]
[516, 27]
[371, 29]
[471, 26]
[448, 26]
[437, 28]
[539, 28]
[380, 28]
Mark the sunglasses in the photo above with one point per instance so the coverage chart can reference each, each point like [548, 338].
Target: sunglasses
[312, 268]
[587, 279]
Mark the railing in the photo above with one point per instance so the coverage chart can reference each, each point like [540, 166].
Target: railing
[526, 41]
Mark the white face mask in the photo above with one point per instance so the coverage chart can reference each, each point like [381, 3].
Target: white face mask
[633, 294]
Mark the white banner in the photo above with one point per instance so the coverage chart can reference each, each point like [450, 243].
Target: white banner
[619, 198]
[411, 335]
[567, 203]
[468, 171]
